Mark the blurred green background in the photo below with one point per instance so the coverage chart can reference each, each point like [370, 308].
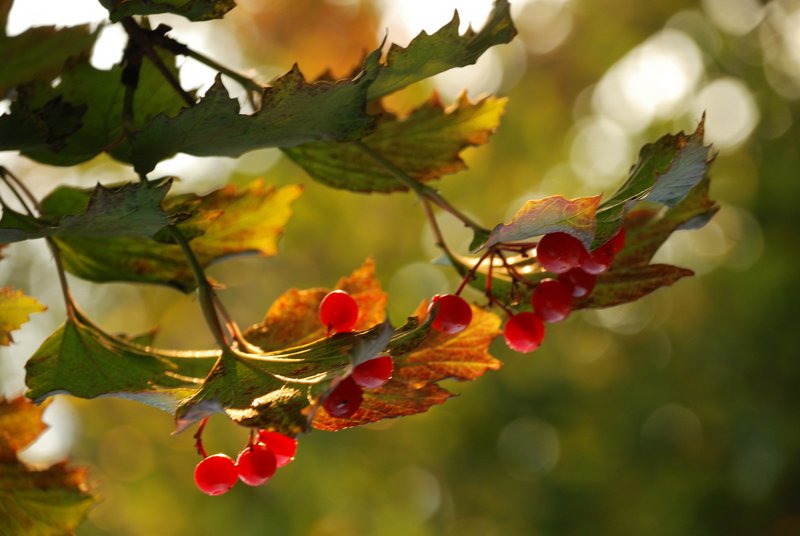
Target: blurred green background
[675, 415]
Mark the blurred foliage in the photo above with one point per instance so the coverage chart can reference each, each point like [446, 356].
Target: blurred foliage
[675, 415]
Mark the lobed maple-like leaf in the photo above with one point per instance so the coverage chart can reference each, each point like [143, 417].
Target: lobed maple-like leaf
[225, 222]
[413, 387]
[195, 10]
[292, 111]
[15, 308]
[549, 215]
[427, 55]
[49, 502]
[426, 145]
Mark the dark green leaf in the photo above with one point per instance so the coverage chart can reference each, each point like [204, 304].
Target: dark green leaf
[42, 129]
[292, 112]
[225, 222]
[665, 173]
[196, 10]
[425, 145]
[428, 55]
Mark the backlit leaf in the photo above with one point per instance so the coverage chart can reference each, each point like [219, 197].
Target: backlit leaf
[427, 55]
[15, 308]
[225, 222]
[417, 369]
[551, 214]
[49, 502]
[623, 285]
[425, 145]
[292, 111]
[196, 10]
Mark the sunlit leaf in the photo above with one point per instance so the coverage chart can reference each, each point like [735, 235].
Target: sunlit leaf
[118, 367]
[292, 111]
[417, 369]
[665, 173]
[15, 308]
[623, 285]
[196, 10]
[49, 502]
[425, 145]
[427, 55]
[225, 222]
[549, 215]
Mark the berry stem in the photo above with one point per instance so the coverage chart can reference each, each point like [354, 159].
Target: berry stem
[198, 439]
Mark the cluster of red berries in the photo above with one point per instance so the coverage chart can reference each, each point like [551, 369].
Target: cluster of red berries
[577, 270]
[254, 466]
[338, 312]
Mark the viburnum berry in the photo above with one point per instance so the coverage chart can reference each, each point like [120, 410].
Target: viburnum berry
[559, 252]
[524, 332]
[282, 446]
[454, 314]
[373, 373]
[256, 464]
[598, 261]
[338, 311]
[216, 474]
[552, 300]
[344, 400]
[580, 282]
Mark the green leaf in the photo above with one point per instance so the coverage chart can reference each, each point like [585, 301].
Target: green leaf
[39, 53]
[292, 111]
[627, 284]
[118, 367]
[82, 116]
[49, 502]
[133, 209]
[225, 222]
[665, 173]
[15, 308]
[426, 145]
[428, 55]
[196, 10]
[551, 214]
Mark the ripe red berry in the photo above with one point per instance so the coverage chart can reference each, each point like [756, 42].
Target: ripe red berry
[559, 252]
[552, 300]
[373, 373]
[256, 464]
[524, 332]
[454, 314]
[579, 281]
[338, 311]
[215, 474]
[282, 446]
[344, 400]
[598, 261]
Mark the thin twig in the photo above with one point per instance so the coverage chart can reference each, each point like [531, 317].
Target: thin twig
[198, 439]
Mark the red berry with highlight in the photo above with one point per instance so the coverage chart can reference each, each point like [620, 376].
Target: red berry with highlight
[524, 332]
[338, 311]
[373, 373]
[552, 300]
[579, 281]
[282, 446]
[454, 314]
[256, 464]
[215, 474]
[559, 252]
[344, 400]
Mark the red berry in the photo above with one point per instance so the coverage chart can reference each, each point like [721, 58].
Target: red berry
[617, 242]
[454, 314]
[598, 261]
[524, 332]
[373, 373]
[338, 311]
[559, 252]
[256, 464]
[579, 281]
[552, 300]
[344, 400]
[215, 475]
[282, 446]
